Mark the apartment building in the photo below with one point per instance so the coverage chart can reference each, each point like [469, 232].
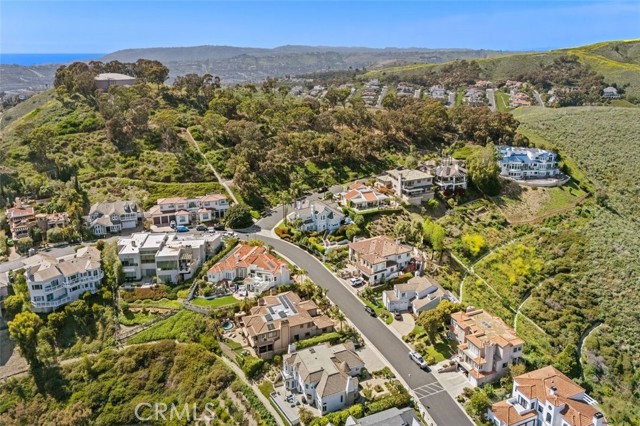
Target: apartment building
[486, 345]
[184, 211]
[170, 257]
[361, 197]
[282, 319]
[419, 294]
[411, 186]
[527, 163]
[259, 269]
[325, 375]
[379, 258]
[110, 217]
[316, 216]
[546, 397]
[53, 282]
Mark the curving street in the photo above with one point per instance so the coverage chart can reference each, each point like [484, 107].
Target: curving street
[440, 405]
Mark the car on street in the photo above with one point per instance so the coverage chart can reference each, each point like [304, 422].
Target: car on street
[417, 358]
[181, 228]
[201, 228]
[211, 230]
[230, 234]
[172, 224]
[355, 282]
[370, 311]
[219, 227]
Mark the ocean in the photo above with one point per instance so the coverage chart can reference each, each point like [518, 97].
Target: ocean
[45, 58]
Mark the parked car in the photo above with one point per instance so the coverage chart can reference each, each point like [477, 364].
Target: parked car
[397, 315]
[355, 282]
[370, 311]
[181, 228]
[230, 234]
[219, 227]
[172, 224]
[211, 230]
[201, 228]
[417, 358]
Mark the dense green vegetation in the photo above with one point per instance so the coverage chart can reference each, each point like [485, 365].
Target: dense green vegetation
[105, 389]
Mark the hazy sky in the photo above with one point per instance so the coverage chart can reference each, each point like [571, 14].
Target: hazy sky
[104, 26]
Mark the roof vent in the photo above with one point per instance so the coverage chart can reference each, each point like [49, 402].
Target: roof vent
[553, 390]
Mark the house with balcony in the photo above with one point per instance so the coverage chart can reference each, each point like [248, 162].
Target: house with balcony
[21, 218]
[111, 217]
[449, 175]
[53, 283]
[410, 186]
[437, 92]
[419, 294]
[46, 221]
[486, 345]
[546, 397]
[282, 319]
[170, 257]
[379, 259]
[527, 163]
[325, 375]
[360, 197]
[184, 211]
[258, 269]
[316, 216]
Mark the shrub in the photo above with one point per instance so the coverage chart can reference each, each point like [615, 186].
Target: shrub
[333, 337]
[238, 216]
[251, 366]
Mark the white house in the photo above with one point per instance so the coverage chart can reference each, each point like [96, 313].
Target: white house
[56, 282]
[317, 216]
[379, 258]
[184, 211]
[610, 92]
[419, 293]
[391, 417]
[109, 217]
[105, 80]
[527, 163]
[361, 197]
[411, 186]
[546, 397]
[259, 269]
[171, 257]
[324, 374]
[450, 175]
[437, 92]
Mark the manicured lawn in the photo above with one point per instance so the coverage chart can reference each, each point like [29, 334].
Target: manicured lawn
[266, 387]
[380, 311]
[564, 196]
[502, 101]
[215, 303]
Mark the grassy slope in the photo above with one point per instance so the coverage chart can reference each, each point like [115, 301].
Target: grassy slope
[618, 62]
[604, 143]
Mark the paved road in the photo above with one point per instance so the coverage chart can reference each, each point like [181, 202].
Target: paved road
[492, 100]
[440, 405]
[538, 98]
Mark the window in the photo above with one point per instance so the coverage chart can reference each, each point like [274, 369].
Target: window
[505, 364]
[540, 408]
[341, 398]
[548, 419]
[36, 287]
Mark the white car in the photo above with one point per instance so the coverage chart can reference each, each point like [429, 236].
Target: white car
[415, 357]
[355, 282]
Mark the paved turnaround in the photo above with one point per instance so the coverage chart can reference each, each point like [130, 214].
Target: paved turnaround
[440, 405]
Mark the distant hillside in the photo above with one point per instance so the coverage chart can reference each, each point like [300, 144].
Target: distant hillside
[241, 64]
[617, 61]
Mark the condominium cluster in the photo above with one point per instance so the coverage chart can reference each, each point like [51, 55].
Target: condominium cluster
[55, 282]
[170, 257]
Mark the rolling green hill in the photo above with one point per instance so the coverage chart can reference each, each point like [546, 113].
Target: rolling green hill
[617, 61]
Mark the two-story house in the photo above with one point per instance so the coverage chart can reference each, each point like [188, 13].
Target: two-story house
[282, 319]
[411, 186]
[486, 345]
[361, 197]
[450, 175]
[21, 218]
[325, 375]
[418, 294]
[437, 92]
[610, 93]
[379, 258]
[527, 163]
[110, 217]
[183, 211]
[546, 397]
[171, 258]
[316, 216]
[55, 282]
[259, 269]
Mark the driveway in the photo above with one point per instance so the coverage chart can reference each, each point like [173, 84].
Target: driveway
[491, 96]
[405, 326]
[439, 404]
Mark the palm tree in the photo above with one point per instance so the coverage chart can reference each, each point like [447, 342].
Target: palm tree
[339, 316]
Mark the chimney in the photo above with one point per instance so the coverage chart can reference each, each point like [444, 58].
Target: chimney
[351, 385]
[598, 419]
[273, 292]
[18, 203]
[470, 308]
[553, 390]
[291, 348]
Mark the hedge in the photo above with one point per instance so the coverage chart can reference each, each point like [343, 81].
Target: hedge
[399, 400]
[333, 337]
[251, 366]
[339, 417]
